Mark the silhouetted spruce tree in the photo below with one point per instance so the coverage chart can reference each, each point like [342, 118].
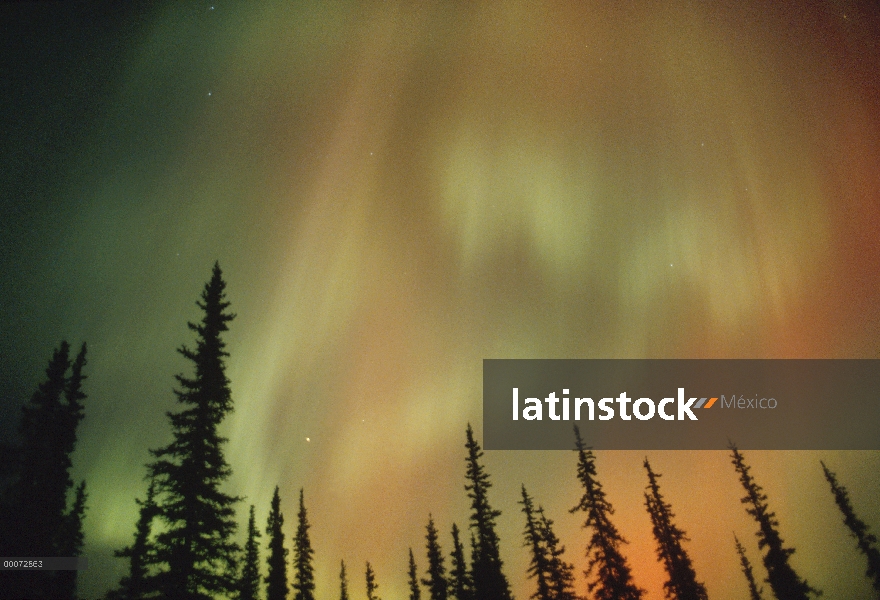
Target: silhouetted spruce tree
[71, 537]
[195, 552]
[682, 583]
[436, 581]
[24, 531]
[783, 580]
[73, 410]
[554, 576]
[561, 575]
[865, 541]
[539, 566]
[754, 591]
[71, 543]
[486, 566]
[343, 582]
[613, 577]
[460, 586]
[276, 580]
[303, 570]
[415, 592]
[138, 582]
[249, 585]
[30, 517]
[372, 586]
[34, 519]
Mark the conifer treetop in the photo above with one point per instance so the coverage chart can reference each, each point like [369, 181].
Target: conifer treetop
[489, 581]
[36, 517]
[343, 582]
[539, 566]
[613, 579]
[435, 581]
[140, 554]
[372, 586]
[250, 575]
[754, 590]
[304, 573]
[682, 583]
[784, 581]
[561, 572]
[276, 579]
[866, 541]
[195, 552]
[459, 577]
[415, 592]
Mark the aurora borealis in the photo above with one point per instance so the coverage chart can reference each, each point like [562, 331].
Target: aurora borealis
[396, 191]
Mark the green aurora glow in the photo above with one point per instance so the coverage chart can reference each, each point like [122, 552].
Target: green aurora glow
[396, 191]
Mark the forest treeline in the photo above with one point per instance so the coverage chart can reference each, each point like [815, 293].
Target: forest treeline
[184, 542]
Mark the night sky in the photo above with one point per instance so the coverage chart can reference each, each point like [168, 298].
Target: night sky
[396, 191]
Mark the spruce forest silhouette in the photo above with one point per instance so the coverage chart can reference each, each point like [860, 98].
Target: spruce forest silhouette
[184, 544]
